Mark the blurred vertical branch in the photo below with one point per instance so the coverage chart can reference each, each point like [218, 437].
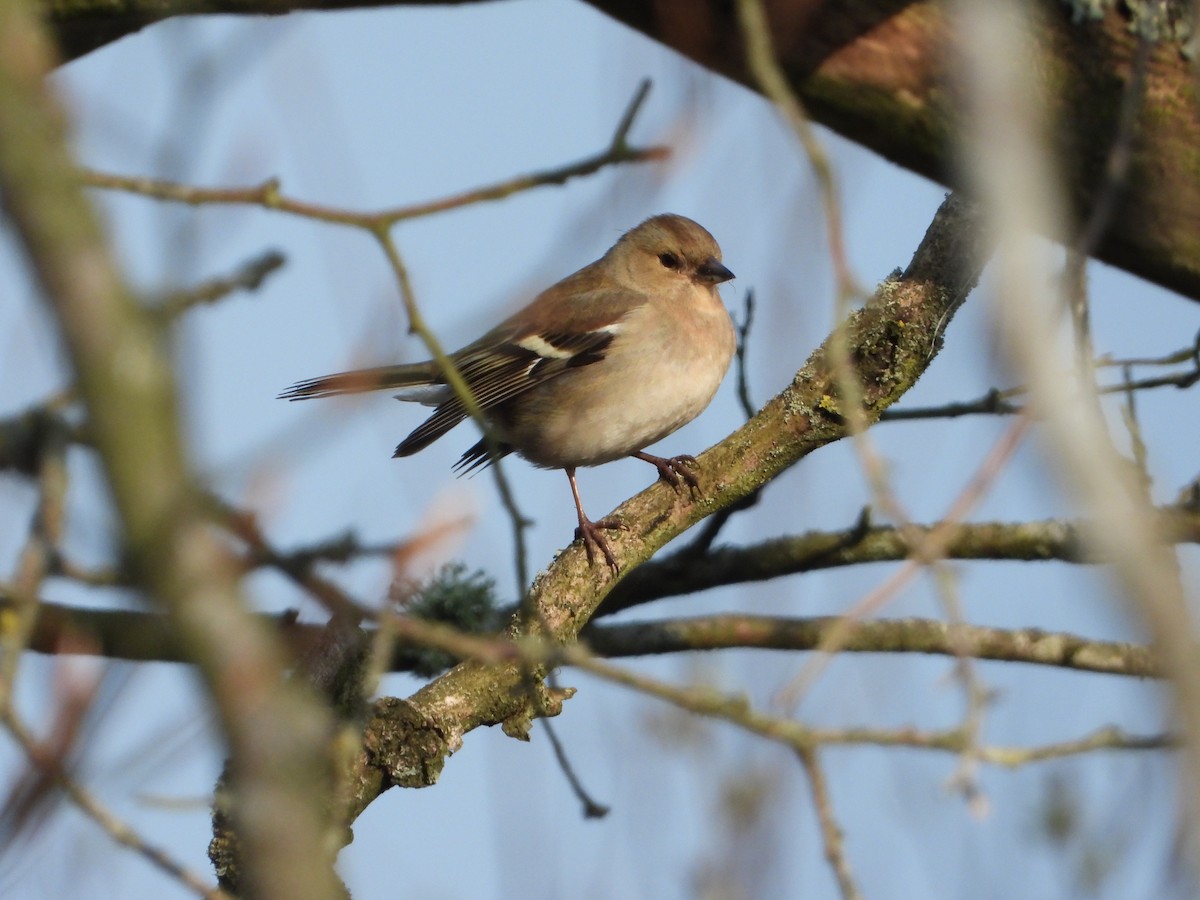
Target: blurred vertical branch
[763, 63]
[276, 731]
[1007, 152]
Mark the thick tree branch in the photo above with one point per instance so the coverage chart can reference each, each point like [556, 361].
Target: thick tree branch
[1025, 645]
[148, 637]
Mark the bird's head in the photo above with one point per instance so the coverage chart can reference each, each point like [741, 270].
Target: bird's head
[665, 252]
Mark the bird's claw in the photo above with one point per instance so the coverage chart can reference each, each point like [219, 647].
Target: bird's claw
[675, 470]
[592, 535]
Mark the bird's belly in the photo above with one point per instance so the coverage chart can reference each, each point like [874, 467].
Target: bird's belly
[556, 430]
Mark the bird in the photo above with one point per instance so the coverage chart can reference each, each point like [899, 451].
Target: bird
[599, 366]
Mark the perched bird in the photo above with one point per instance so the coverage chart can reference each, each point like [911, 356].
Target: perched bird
[597, 367]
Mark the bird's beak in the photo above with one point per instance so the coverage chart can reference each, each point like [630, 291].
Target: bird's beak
[712, 271]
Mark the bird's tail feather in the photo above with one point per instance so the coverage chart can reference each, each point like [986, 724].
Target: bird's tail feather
[382, 378]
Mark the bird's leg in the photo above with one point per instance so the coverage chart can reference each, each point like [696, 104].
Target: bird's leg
[592, 533]
[673, 470]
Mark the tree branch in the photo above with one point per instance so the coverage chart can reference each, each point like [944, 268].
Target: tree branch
[1048, 539]
[1025, 645]
[148, 637]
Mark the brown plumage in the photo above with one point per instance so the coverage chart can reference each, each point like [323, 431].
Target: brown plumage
[599, 366]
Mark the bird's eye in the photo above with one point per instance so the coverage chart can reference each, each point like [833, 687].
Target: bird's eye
[670, 260]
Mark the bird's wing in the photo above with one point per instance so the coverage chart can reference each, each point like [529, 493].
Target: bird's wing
[522, 353]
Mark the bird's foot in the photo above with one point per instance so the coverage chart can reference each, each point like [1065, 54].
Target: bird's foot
[674, 470]
[592, 535]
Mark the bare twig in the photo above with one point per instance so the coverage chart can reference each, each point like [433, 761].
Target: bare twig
[831, 833]
[1000, 402]
[248, 277]
[682, 573]
[1108, 738]
[743, 351]
[591, 809]
[269, 194]
[52, 766]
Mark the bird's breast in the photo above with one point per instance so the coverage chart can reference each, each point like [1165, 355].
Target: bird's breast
[657, 376]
